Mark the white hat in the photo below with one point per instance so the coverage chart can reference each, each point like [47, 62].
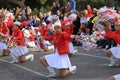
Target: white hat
[43, 23]
[17, 23]
[58, 23]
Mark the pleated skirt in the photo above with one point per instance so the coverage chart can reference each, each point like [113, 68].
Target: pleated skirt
[2, 46]
[116, 51]
[19, 50]
[58, 61]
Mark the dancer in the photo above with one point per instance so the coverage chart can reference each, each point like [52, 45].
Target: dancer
[29, 38]
[4, 33]
[115, 77]
[67, 26]
[114, 51]
[19, 50]
[59, 59]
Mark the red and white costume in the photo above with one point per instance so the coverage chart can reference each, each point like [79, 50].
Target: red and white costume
[23, 24]
[20, 47]
[43, 44]
[4, 31]
[60, 57]
[117, 77]
[68, 30]
[116, 37]
[29, 38]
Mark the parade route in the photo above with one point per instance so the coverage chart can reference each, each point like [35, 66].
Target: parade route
[91, 65]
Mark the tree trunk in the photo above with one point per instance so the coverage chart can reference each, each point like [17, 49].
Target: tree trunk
[20, 3]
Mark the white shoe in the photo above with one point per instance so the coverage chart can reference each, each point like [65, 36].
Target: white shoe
[112, 64]
[52, 74]
[94, 46]
[14, 59]
[39, 49]
[51, 47]
[73, 69]
[75, 51]
[12, 62]
[112, 61]
[32, 57]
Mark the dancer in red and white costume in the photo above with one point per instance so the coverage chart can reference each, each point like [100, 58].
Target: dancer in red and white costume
[114, 51]
[59, 59]
[67, 26]
[29, 38]
[115, 77]
[4, 33]
[19, 51]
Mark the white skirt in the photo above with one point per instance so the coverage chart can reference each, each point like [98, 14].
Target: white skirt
[2, 46]
[19, 50]
[87, 46]
[30, 43]
[71, 48]
[58, 61]
[116, 51]
[117, 77]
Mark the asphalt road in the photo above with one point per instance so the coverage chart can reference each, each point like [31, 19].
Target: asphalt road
[92, 65]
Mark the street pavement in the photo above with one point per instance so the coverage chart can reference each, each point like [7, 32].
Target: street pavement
[91, 65]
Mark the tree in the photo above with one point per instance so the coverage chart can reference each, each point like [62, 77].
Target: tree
[46, 5]
[111, 3]
[21, 3]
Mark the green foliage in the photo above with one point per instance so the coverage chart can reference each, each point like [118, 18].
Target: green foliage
[63, 2]
[81, 4]
[6, 4]
[117, 3]
[45, 5]
[35, 11]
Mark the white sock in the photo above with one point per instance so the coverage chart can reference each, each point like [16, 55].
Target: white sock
[111, 59]
[38, 45]
[1, 53]
[51, 47]
[52, 72]
[14, 58]
[30, 57]
[50, 69]
[73, 69]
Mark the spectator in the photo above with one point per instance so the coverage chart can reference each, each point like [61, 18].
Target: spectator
[72, 6]
[68, 7]
[56, 6]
